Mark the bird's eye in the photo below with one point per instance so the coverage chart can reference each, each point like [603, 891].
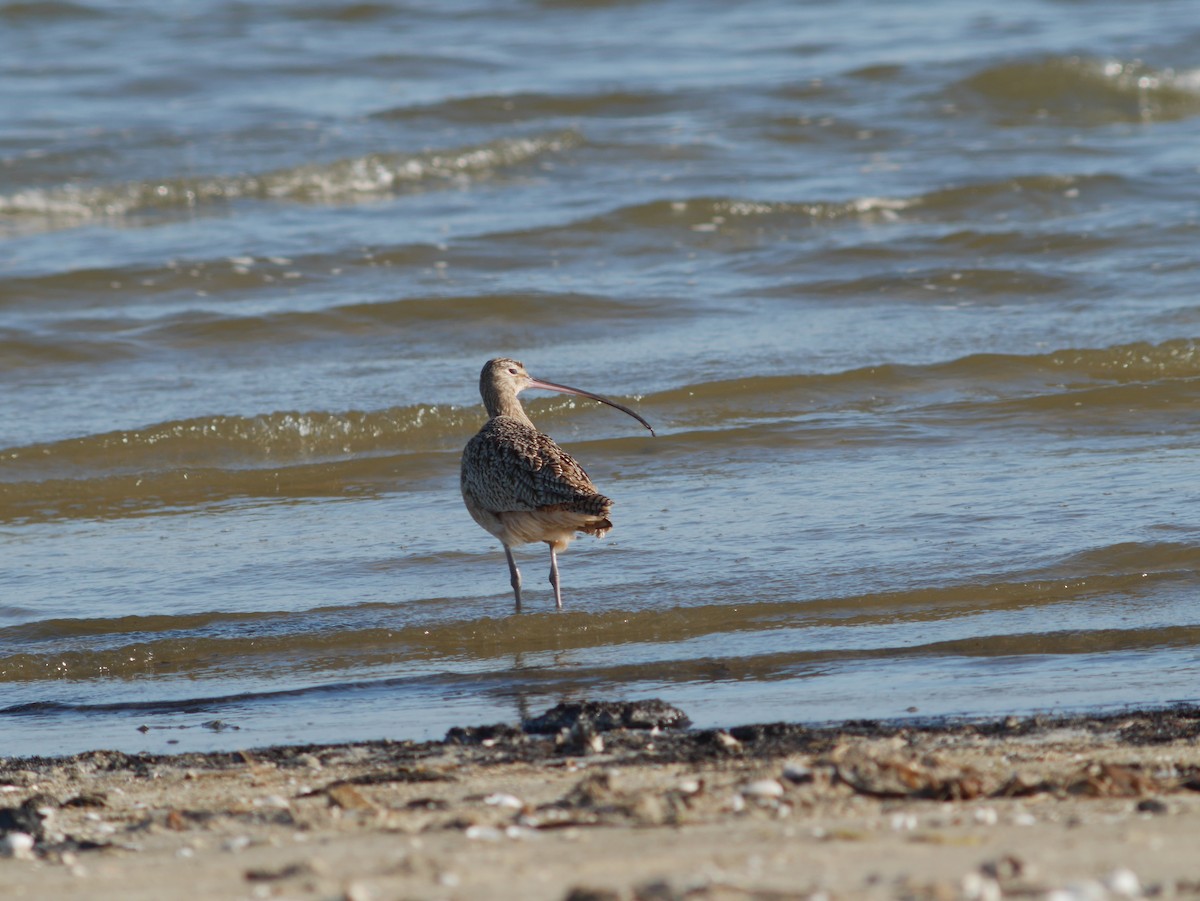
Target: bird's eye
[511, 371]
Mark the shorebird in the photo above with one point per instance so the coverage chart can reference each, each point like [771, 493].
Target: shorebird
[521, 486]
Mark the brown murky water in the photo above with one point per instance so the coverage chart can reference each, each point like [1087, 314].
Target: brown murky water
[910, 296]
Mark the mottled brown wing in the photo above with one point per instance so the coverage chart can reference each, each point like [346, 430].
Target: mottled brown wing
[509, 466]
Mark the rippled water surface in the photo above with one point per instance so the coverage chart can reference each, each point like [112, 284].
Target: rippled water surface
[909, 292]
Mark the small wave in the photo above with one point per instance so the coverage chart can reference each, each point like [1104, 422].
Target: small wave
[181, 464]
[35, 11]
[508, 108]
[1034, 386]
[442, 317]
[1134, 557]
[198, 654]
[1141, 362]
[504, 317]
[1179, 358]
[1039, 194]
[168, 705]
[339, 12]
[1134, 362]
[100, 495]
[216, 276]
[213, 461]
[934, 286]
[355, 639]
[1138, 388]
[236, 442]
[725, 217]
[297, 437]
[1085, 91]
[339, 181]
[703, 213]
[19, 350]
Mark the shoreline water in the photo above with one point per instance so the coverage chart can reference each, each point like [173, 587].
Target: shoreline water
[1093, 805]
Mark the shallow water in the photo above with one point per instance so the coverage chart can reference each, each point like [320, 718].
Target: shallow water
[909, 294]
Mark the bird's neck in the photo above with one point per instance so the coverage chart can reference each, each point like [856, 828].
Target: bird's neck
[506, 404]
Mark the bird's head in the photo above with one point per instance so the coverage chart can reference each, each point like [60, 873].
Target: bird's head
[503, 379]
[504, 376]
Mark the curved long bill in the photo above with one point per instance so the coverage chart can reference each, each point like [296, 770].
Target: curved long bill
[563, 389]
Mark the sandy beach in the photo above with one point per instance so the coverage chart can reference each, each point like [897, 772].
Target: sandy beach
[601, 809]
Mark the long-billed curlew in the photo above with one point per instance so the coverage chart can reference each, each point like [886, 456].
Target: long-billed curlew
[521, 486]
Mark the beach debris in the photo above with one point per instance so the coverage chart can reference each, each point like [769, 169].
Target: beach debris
[1123, 883]
[600, 798]
[763, 790]
[427, 803]
[1105, 780]
[606, 716]
[781, 736]
[1004, 869]
[272, 802]
[405, 774]
[1084, 890]
[487, 736]
[722, 741]
[17, 845]
[798, 773]
[1010, 876]
[980, 887]
[594, 790]
[476, 832]
[1110, 780]
[274, 874]
[346, 797]
[28, 817]
[408, 775]
[1154, 727]
[503, 799]
[663, 890]
[1020, 786]
[986, 816]
[488, 833]
[581, 739]
[880, 776]
[87, 799]
[656, 890]
[1152, 806]
[581, 893]
[577, 725]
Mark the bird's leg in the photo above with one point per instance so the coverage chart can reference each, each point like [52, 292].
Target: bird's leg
[515, 574]
[554, 577]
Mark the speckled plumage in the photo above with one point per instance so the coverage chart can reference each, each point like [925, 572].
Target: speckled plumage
[521, 486]
[511, 470]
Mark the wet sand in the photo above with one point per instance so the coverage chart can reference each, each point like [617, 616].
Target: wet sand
[1079, 807]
